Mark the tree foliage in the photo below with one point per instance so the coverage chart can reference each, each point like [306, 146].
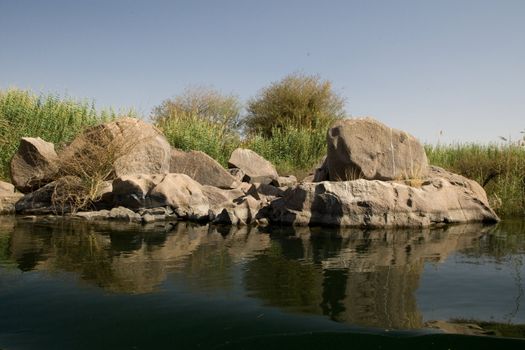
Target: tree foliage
[298, 101]
[204, 103]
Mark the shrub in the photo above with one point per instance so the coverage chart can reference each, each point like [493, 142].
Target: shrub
[204, 103]
[299, 101]
[87, 164]
[201, 119]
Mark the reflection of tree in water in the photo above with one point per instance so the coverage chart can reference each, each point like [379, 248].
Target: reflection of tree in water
[284, 282]
[367, 278]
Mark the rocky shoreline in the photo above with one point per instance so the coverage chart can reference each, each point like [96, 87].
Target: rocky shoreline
[372, 176]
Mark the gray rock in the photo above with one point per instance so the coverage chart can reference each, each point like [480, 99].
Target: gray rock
[255, 167]
[201, 168]
[124, 214]
[286, 181]
[50, 199]
[130, 145]
[163, 211]
[243, 212]
[382, 204]
[217, 196]
[265, 193]
[6, 188]
[150, 218]
[34, 165]
[8, 201]
[321, 172]
[92, 215]
[368, 149]
[177, 191]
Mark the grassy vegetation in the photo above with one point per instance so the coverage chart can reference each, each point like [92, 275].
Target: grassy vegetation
[293, 151]
[189, 132]
[499, 168]
[50, 117]
[209, 122]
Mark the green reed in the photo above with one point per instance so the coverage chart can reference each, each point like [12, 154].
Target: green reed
[499, 168]
[51, 117]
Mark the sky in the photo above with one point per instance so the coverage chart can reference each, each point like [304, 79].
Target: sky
[445, 71]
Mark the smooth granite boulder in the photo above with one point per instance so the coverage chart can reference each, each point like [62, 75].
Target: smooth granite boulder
[130, 146]
[177, 191]
[202, 168]
[368, 149]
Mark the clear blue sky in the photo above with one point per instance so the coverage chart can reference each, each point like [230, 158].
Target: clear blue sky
[423, 66]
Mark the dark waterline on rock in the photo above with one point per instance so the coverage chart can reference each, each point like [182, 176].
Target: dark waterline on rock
[68, 285]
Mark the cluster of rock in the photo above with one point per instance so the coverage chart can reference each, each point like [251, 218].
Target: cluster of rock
[372, 176]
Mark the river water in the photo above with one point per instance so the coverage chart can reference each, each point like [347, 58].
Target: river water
[71, 285]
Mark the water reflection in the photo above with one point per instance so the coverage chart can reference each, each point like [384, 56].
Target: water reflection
[360, 277]
[366, 278]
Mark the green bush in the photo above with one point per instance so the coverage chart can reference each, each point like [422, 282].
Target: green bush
[201, 119]
[204, 103]
[50, 117]
[299, 101]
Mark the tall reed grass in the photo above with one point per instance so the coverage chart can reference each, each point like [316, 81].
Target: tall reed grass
[187, 131]
[293, 150]
[51, 117]
[499, 168]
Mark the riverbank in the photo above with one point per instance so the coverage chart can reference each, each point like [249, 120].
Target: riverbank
[500, 169]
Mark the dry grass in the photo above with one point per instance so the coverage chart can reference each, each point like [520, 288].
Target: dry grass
[88, 163]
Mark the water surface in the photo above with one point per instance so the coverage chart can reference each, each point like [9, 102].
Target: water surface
[67, 285]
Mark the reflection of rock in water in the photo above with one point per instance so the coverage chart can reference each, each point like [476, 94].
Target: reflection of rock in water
[366, 278]
[132, 258]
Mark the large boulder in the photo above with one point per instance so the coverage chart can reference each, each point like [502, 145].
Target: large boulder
[242, 212]
[34, 165]
[219, 197]
[368, 149]
[126, 146]
[256, 168]
[177, 191]
[202, 168]
[366, 203]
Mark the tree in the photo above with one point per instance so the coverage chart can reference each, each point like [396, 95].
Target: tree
[204, 103]
[201, 119]
[299, 101]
